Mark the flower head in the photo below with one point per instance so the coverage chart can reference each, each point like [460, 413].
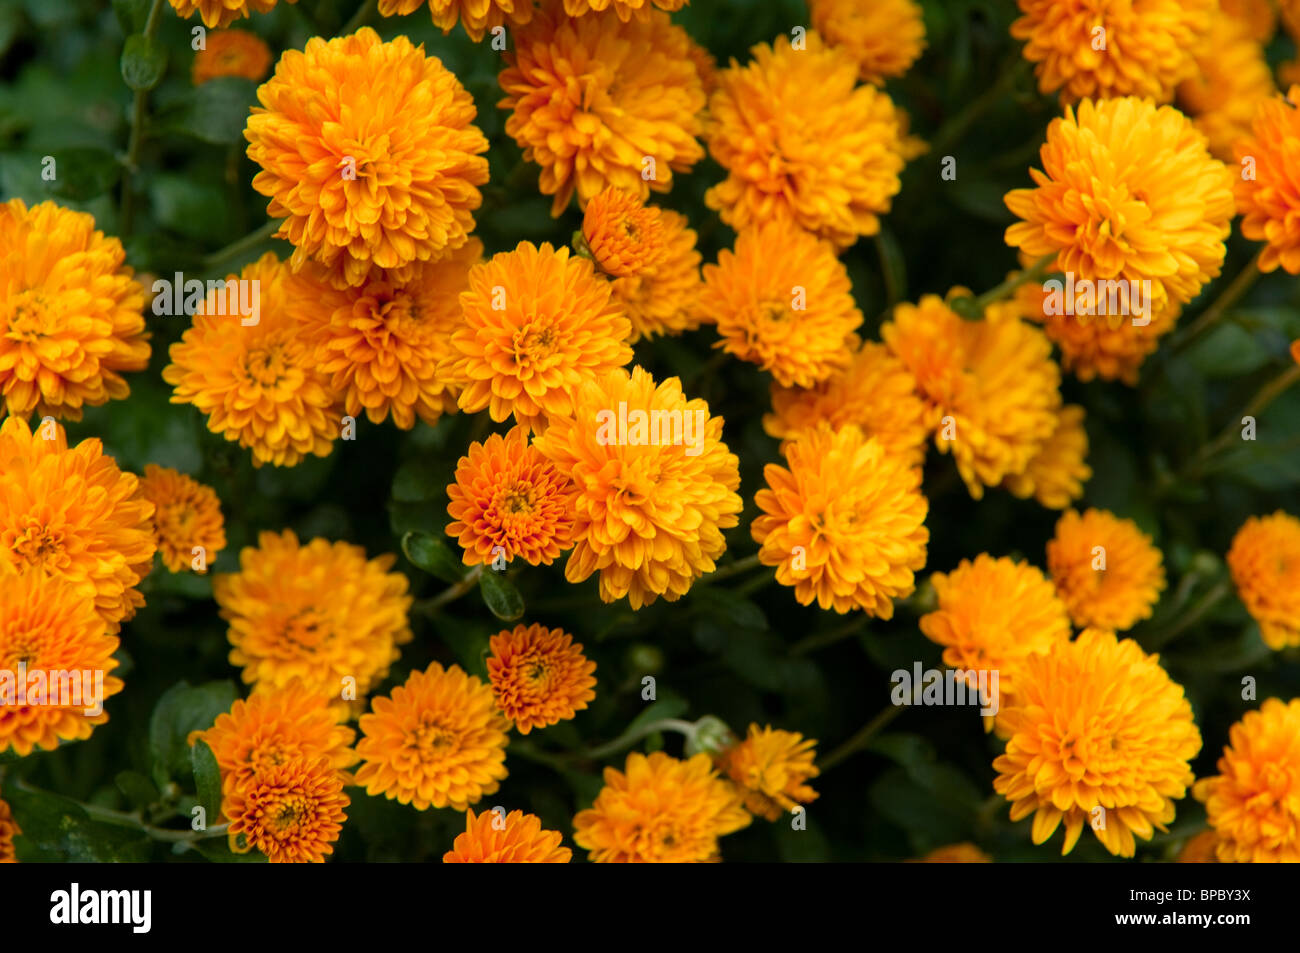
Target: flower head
[1253, 803]
[70, 313]
[370, 152]
[1056, 474]
[231, 53]
[660, 810]
[884, 37]
[772, 769]
[438, 740]
[845, 524]
[218, 14]
[1096, 723]
[1232, 78]
[1258, 15]
[539, 676]
[1265, 564]
[477, 16]
[663, 298]
[292, 812]
[1106, 570]
[1269, 201]
[1201, 849]
[625, 9]
[964, 853]
[186, 515]
[516, 838]
[625, 236]
[9, 829]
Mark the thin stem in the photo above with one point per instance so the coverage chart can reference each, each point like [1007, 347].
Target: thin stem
[733, 569]
[123, 819]
[1211, 315]
[1207, 602]
[951, 132]
[360, 18]
[139, 117]
[240, 245]
[1034, 272]
[450, 594]
[893, 294]
[629, 738]
[1258, 404]
[812, 643]
[862, 738]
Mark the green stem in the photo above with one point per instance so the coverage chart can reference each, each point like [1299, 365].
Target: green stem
[974, 307]
[893, 294]
[134, 821]
[1258, 404]
[241, 245]
[359, 19]
[1211, 315]
[862, 738]
[733, 569]
[1207, 602]
[450, 594]
[629, 738]
[139, 118]
[951, 132]
[812, 643]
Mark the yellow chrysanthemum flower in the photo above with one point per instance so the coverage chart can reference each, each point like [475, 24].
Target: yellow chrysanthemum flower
[71, 513]
[884, 37]
[292, 813]
[231, 53]
[9, 829]
[1102, 51]
[50, 625]
[964, 853]
[1232, 78]
[217, 14]
[187, 514]
[596, 102]
[1106, 570]
[660, 810]
[625, 9]
[845, 524]
[783, 301]
[478, 16]
[1269, 200]
[1128, 191]
[1253, 803]
[1096, 724]
[771, 768]
[438, 741]
[1056, 474]
[71, 314]
[515, 838]
[1265, 564]
[539, 676]
[370, 153]
[320, 612]
[655, 486]
[624, 235]
[801, 140]
[1258, 15]
[663, 298]
[1201, 849]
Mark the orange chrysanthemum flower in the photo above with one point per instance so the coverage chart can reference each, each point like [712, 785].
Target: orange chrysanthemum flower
[186, 515]
[801, 140]
[660, 810]
[662, 299]
[71, 314]
[783, 301]
[508, 500]
[478, 16]
[964, 853]
[1140, 48]
[624, 235]
[256, 378]
[1056, 474]
[845, 524]
[231, 53]
[875, 392]
[538, 323]
[9, 829]
[218, 14]
[381, 343]
[771, 768]
[884, 37]
[1269, 200]
[539, 676]
[1265, 564]
[437, 741]
[655, 486]
[1106, 570]
[1258, 15]
[626, 9]
[1128, 191]
[71, 513]
[292, 812]
[1232, 78]
[991, 389]
[273, 727]
[50, 626]
[596, 101]
[1201, 849]
[370, 152]
[1253, 803]
[515, 838]
[1096, 723]
[320, 612]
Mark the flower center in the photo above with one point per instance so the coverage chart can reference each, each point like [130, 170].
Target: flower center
[38, 545]
[429, 741]
[29, 317]
[266, 366]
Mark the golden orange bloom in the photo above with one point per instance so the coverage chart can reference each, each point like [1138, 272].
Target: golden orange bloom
[9, 829]
[257, 378]
[231, 53]
[1264, 561]
[655, 486]
[50, 625]
[437, 741]
[598, 101]
[1096, 723]
[1253, 803]
[626, 9]
[71, 513]
[71, 314]
[884, 37]
[516, 838]
[1056, 474]
[320, 612]
[875, 392]
[370, 153]
[1269, 201]
[1295, 350]
[539, 676]
[1232, 78]
[381, 342]
[624, 235]
[1201, 849]
[186, 514]
[1140, 48]
[660, 810]
[273, 727]
[1258, 15]
[1107, 571]
[964, 853]
[662, 299]
[217, 14]
[538, 323]
[771, 768]
[508, 500]
[292, 812]
[478, 16]
[845, 524]
[801, 140]
[1128, 191]
[783, 301]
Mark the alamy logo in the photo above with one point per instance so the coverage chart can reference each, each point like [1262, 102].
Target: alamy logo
[951, 687]
[221, 297]
[1088, 298]
[73, 906]
[666, 428]
[54, 688]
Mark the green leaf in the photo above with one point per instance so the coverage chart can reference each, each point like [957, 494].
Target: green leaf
[217, 110]
[81, 174]
[143, 62]
[500, 596]
[207, 777]
[197, 210]
[58, 829]
[730, 608]
[432, 555]
[138, 790]
[183, 708]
